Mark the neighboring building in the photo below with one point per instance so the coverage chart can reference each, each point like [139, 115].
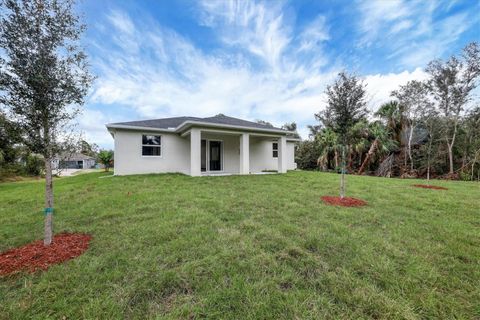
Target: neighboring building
[201, 146]
[73, 161]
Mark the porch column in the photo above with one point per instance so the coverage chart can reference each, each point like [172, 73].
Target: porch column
[195, 152]
[245, 153]
[282, 154]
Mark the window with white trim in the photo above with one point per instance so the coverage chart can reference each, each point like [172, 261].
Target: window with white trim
[275, 150]
[151, 145]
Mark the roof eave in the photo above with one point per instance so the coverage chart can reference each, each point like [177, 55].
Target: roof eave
[187, 124]
[111, 126]
[294, 139]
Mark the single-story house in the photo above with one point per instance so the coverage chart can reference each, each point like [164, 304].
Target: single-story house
[73, 161]
[201, 146]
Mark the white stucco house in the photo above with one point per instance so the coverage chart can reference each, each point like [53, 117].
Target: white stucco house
[201, 146]
[73, 161]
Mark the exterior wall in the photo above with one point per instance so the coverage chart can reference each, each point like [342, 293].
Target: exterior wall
[261, 155]
[129, 160]
[89, 163]
[176, 153]
[291, 165]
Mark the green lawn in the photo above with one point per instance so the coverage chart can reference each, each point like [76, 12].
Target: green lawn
[248, 247]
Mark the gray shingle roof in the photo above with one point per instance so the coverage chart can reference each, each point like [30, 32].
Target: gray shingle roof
[166, 123]
[74, 157]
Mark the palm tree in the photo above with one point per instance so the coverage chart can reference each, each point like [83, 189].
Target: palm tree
[105, 157]
[393, 115]
[359, 141]
[314, 130]
[381, 144]
[328, 143]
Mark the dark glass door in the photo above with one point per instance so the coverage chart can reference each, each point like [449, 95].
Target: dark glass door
[215, 155]
[204, 155]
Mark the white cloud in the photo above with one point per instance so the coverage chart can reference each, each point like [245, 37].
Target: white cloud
[314, 34]
[411, 30]
[376, 14]
[171, 77]
[92, 124]
[121, 21]
[379, 86]
[252, 26]
[444, 34]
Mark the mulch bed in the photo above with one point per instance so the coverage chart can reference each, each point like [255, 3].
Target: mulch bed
[35, 256]
[429, 187]
[345, 202]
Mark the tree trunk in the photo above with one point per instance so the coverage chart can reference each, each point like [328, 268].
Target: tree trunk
[428, 170]
[429, 156]
[450, 147]
[370, 152]
[410, 147]
[450, 157]
[342, 179]
[474, 161]
[48, 202]
[473, 167]
[336, 159]
[350, 159]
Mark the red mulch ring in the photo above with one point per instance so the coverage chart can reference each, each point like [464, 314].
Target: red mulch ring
[429, 187]
[345, 202]
[35, 256]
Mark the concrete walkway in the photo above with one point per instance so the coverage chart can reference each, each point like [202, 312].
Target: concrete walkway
[70, 172]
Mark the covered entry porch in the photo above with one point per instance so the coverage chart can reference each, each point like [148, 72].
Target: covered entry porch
[223, 152]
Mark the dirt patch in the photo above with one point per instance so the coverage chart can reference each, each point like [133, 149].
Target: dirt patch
[429, 187]
[35, 256]
[345, 202]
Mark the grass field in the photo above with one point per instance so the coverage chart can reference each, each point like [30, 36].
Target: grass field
[248, 247]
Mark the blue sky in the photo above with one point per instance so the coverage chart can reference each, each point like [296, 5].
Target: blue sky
[257, 60]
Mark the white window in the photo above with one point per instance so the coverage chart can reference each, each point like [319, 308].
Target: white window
[275, 149]
[151, 145]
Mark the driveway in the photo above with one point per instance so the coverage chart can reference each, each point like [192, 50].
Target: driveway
[70, 172]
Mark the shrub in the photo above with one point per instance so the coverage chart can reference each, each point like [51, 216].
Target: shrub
[306, 155]
[34, 165]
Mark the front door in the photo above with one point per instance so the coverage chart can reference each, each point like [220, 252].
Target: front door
[215, 155]
[203, 152]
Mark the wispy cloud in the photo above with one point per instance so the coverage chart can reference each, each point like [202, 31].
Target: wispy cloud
[413, 31]
[254, 27]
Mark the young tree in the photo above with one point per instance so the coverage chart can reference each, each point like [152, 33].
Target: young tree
[414, 99]
[43, 77]
[451, 84]
[105, 157]
[346, 107]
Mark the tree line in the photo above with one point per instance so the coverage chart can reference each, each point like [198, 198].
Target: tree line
[430, 128]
